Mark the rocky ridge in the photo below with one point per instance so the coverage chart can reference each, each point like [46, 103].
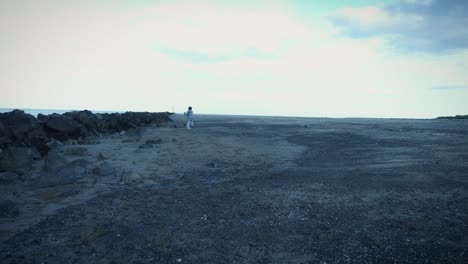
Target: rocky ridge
[24, 138]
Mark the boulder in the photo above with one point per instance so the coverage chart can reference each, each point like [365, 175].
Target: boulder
[21, 129]
[103, 156]
[85, 118]
[67, 174]
[76, 151]
[4, 132]
[64, 127]
[9, 177]
[8, 208]
[103, 169]
[154, 141]
[130, 177]
[17, 123]
[146, 146]
[53, 143]
[54, 161]
[17, 159]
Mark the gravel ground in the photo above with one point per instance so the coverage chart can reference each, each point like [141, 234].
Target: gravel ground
[257, 190]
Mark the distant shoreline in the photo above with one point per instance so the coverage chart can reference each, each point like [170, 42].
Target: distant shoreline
[453, 117]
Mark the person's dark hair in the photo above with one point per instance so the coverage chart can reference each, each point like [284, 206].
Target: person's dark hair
[189, 108]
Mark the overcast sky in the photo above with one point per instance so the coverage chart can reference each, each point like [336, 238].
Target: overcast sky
[302, 58]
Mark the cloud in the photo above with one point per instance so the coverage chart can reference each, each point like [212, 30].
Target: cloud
[450, 87]
[430, 26]
[247, 59]
[196, 57]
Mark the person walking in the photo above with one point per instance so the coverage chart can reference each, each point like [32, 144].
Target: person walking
[189, 116]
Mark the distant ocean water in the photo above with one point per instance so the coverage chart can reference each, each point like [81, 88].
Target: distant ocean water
[36, 112]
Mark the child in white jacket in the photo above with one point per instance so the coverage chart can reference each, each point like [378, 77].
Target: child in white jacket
[189, 116]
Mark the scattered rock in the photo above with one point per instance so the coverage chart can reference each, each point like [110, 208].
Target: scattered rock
[129, 140]
[54, 161]
[134, 132]
[146, 146]
[63, 127]
[76, 151]
[18, 129]
[17, 124]
[211, 164]
[88, 142]
[8, 208]
[70, 173]
[103, 169]
[53, 143]
[9, 177]
[130, 177]
[71, 142]
[103, 156]
[17, 159]
[154, 141]
[90, 233]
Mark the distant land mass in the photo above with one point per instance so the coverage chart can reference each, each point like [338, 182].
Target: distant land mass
[453, 117]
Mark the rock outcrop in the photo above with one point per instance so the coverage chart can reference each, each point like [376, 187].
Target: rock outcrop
[24, 137]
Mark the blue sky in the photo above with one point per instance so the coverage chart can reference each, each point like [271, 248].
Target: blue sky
[405, 58]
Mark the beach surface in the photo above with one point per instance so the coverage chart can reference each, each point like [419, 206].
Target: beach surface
[239, 189]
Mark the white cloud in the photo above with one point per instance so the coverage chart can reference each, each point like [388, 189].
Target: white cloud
[436, 26]
[105, 58]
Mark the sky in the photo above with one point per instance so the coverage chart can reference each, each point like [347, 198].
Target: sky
[361, 58]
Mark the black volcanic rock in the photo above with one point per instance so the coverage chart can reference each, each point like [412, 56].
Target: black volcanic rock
[63, 127]
[17, 124]
[17, 159]
[8, 208]
[65, 174]
[24, 138]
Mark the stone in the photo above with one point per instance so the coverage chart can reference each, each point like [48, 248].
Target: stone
[129, 140]
[85, 118]
[88, 142]
[103, 156]
[76, 151]
[103, 169]
[130, 177]
[90, 233]
[18, 122]
[5, 140]
[54, 160]
[63, 127]
[8, 209]
[53, 143]
[20, 129]
[154, 141]
[17, 159]
[9, 177]
[70, 173]
[146, 146]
